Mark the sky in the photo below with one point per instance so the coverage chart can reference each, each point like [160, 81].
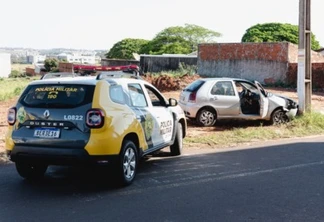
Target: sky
[99, 24]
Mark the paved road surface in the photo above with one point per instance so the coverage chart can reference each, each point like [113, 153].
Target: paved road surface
[274, 183]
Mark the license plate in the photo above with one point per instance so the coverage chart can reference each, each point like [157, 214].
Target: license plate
[47, 133]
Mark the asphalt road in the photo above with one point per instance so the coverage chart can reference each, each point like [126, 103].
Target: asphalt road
[278, 182]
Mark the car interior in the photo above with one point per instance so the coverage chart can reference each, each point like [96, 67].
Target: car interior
[249, 100]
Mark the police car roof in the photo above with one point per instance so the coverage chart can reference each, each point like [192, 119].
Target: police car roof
[85, 80]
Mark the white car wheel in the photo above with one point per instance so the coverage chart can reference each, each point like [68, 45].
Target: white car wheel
[279, 117]
[206, 117]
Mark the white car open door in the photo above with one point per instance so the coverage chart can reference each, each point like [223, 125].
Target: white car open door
[264, 101]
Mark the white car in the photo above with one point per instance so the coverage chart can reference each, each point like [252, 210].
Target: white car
[208, 99]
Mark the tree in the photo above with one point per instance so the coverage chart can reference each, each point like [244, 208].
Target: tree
[125, 48]
[178, 39]
[51, 64]
[276, 32]
[167, 45]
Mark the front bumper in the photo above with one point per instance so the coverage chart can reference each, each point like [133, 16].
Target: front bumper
[292, 113]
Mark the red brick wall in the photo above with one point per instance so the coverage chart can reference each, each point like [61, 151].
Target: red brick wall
[317, 75]
[30, 71]
[244, 51]
[65, 67]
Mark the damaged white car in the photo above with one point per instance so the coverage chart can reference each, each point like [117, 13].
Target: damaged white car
[208, 99]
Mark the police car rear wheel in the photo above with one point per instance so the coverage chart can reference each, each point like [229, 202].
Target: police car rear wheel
[128, 163]
[31, 171]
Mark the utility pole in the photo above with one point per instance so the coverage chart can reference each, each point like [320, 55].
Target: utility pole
[304, 75]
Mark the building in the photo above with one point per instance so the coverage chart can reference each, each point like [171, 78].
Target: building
[5, 64]
[34, 59]
[78, 58]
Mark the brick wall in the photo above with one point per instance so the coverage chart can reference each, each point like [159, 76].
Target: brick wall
[317, 75]
[30, 71]
[264, 62]
[65, 67]
[244, 51]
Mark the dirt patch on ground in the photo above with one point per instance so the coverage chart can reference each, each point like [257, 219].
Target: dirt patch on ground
[171, 88]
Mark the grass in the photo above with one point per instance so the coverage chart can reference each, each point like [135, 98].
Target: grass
[20, 67]
[12, 87]
[309, 124]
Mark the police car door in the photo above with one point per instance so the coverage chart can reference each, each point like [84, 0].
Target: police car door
[157, 106]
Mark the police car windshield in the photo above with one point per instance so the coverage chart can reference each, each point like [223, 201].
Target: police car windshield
[57, 96]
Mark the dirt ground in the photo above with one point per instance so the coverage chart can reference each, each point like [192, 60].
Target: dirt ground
[193, 131]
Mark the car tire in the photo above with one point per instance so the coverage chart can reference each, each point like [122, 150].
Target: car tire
[176, 147]
[127, 165]
[279, 117]
[31, 171]
[206, 117]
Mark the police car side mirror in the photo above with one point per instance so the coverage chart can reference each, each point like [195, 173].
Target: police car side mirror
[173, 102]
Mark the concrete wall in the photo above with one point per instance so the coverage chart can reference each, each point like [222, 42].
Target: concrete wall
[5, 64]
[158, 63]
[261, 71]
[118, 62]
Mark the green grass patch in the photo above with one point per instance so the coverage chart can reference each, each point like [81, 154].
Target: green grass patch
[311, 123]
[12, 87]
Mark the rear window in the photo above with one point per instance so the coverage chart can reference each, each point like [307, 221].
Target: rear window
[193, 87]
[57, 96]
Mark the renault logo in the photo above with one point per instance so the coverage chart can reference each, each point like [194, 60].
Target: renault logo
[46, 114]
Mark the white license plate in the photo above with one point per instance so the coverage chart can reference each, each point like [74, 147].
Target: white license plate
[47, 133]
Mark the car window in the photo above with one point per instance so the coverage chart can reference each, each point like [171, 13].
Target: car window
[193, 87]
[136, 94]
[57, 96]
[250, 87]
[156, 98]
[223, 88]
[117, 94]
[261, 89]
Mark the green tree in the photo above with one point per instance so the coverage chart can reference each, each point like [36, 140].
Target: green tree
[167, 45]
[51, 64]
[125, 48]
[276, 32]
[179, 39]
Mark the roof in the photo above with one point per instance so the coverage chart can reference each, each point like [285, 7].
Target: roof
[86, 80]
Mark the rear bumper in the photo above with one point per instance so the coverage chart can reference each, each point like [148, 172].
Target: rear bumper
[189, 109]
[58, 156]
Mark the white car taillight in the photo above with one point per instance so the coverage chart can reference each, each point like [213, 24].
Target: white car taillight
[12, 116]
[192, 97]
[95, 118]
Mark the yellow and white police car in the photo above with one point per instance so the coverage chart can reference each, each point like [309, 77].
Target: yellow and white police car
[101, 120]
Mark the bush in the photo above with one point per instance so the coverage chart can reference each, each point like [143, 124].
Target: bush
[16, 74]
